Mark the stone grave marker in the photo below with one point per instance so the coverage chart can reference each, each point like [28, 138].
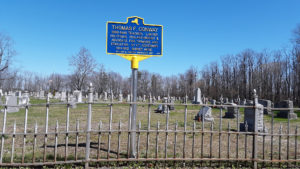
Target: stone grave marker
[232, 110]
[105, 96]
[120, 97]
[249, 116]
[63, 96]
[205, 112]
[41, 94]
[267, 105]
[172, 101]
[24, 99]
[12, 102]
[197, 98]
[78, 96]
[95, 97]
[285, 113]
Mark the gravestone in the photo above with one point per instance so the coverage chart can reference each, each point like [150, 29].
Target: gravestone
[144, 98]
[238, 100]
[24, 99]
[18, 94]
[111, 95]
[57, 95]
[73, 104]
[249, 116]
[105, 96]
[267, 105]
[63, 96]
[206, 100]
[285, 113]
[78, 96]
[128, 98]
[162, 108]
[232, 110]
[197, 99]
[158, 98]
[213, 102]
[50, 95]
[41, 94]
[226, 100]
[249, 102]
[186, 99]
[159, 109]
[205, 112]
[12, 104]
[96, 97]
[120, 97]
[150, 98]
[165, 107]
[221, 100]
[172, 101]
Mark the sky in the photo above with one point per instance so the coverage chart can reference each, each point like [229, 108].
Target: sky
[47, 33]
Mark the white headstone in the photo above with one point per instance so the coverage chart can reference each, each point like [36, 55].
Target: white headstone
[205, 112]
[105, 96]
[78, 96]
[41, 94]
[96, 97]
[128, 98]
[63, 96]
[198, 99]
[11, 103]
[120, 97]
[24, 99]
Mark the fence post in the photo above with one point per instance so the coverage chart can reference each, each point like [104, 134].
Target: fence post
[255, 130]
[88, 126]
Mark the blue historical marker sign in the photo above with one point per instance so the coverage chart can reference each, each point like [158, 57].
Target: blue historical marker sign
[134, 38]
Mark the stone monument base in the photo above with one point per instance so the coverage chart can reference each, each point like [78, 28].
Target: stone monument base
[250, 128]
[11, 110]
[284, 114]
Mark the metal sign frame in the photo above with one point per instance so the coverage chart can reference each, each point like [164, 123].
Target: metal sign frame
[135, 19]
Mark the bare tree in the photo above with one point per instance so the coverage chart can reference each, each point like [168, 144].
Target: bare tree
[100, 80]
[6, 53]
[57, 82]
[83, 65]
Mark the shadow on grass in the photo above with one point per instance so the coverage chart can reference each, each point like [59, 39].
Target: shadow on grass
[93, 145]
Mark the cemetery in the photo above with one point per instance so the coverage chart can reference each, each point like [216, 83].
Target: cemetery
[190, 116]
[192, 85]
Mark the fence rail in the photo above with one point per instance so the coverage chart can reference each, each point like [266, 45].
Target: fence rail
[182, 139]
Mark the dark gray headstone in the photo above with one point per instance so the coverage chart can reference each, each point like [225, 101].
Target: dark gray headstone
[285, 113]
[267, 105]
[232, 110]
[249, 118]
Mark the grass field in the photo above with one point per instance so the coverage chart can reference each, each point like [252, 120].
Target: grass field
[36, 114]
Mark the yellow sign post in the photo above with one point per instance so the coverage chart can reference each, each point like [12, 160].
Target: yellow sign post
[134, 41]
